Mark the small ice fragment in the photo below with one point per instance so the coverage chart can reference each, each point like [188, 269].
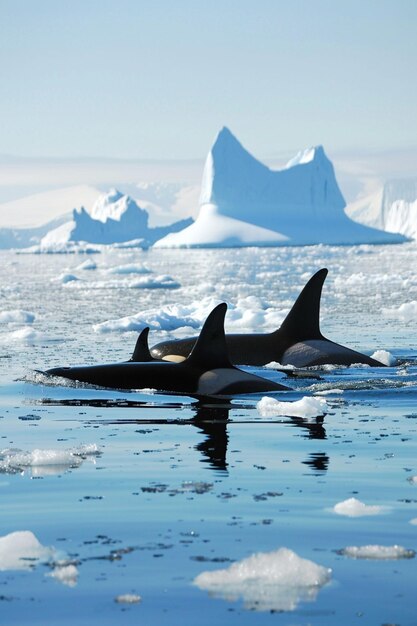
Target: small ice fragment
[17, 316]
[385, 357]
[413, 521]
[87, 265]
[378, 552]
[65, 278]
[65, 574]
[274, 365]
[355, 508]
[413, 480]
[307, 407]
[128, 598]
[267, 581]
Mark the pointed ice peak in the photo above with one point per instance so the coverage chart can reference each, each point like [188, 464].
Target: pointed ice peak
[315, 153]
[225, 139]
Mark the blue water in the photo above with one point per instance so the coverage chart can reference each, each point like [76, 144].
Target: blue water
[181, 487]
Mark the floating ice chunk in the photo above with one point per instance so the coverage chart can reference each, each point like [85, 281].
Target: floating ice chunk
[18, 316]
[413, 480]
[20, 550]
[87, 265]
[378, 552]
[413, 521]
[406, 312]
[307, 407]
[385, 357]
[157, 282]
[328, 392]
[129, 269]
[65, 574]
[267, 581]
[128, 598]
[355, 508]
[65, 278]
[29, 336]
[274, 365]
[45, 462]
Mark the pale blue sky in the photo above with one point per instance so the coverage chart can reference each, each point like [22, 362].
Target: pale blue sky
[157, 79]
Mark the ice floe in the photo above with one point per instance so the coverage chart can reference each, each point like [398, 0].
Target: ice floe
[162, 281]
[21, 550]
[43, 462]
[406, 312]
[18, 316]
[385, 357]
[307, 407]
[128, 598]
[131, 268]
[29, 336]
[378, 552]
[355, 508]
[87, 265]
[267, 581]
[246, 314]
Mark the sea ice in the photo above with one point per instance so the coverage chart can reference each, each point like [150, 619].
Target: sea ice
[87, 265]
[65, 574]
[18, 316]
[132, 268]
[378, 552]
[355, 508]
[307, 407]
[20, 549]
[45, 461]
[406, 312]
[128, 598]
[385, 357]
[267, 581]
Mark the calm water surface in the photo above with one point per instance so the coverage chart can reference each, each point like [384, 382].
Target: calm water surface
[179, 487]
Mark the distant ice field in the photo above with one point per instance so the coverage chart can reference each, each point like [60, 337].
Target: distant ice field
[147, 508]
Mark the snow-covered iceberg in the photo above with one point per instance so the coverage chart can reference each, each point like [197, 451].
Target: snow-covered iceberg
[114, 218]
[392, 208]
[243, 202]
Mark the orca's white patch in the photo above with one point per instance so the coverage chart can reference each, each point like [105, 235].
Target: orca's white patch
[307, 353]
[214, 381]
[174, 358]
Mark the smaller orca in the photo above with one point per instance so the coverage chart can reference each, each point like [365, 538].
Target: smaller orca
[298, 341]
[206, 371]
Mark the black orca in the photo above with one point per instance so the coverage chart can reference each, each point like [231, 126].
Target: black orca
[297, 342]
[206, 371]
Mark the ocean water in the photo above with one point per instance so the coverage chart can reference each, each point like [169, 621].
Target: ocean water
[145, 508]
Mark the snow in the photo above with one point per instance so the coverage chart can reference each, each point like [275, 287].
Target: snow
[243, 202]
[355, 508]
[87, 265]
[378, 552]
[269, 581]
[307, 407]
[31, 211]
[18, 316]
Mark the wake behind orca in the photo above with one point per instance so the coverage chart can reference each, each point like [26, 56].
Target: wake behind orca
[206, 371]
[298, 341]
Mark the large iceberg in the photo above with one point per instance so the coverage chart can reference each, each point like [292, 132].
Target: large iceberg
[243, 202]
[393, 208]
[114, 218]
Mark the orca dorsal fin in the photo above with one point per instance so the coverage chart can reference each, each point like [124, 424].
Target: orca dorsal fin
[303, 321]
[210, 350]
[141, 352]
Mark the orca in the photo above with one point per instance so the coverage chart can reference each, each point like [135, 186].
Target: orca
[298, 341]
[206, 371]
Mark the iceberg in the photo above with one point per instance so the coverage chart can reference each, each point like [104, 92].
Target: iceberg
[243, 202]
[114, 218]
[392, 208]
